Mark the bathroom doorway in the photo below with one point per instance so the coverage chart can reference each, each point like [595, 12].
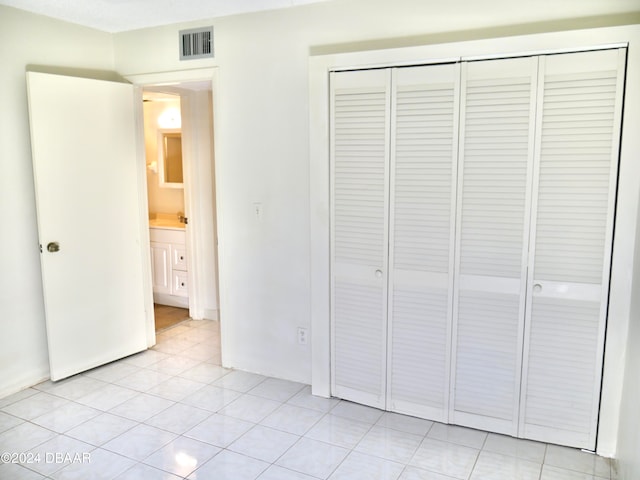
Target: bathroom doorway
[162, 121]
[182, 215]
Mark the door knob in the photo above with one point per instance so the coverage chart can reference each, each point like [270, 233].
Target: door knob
[378, 273]
[537, 288]
[53, 247]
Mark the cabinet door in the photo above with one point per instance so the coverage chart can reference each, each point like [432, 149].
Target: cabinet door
[494, 190]
[161, 267]
[578, 134]
[359, 226]
[423, 171]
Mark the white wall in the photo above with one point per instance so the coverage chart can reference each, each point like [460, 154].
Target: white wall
[629, 434]
[262, 140]
[29, 40]
[161, 200]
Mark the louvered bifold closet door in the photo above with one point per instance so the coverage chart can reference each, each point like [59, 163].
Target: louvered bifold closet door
[360, 118]
[494, 184]
[422, 211]
[580, 105]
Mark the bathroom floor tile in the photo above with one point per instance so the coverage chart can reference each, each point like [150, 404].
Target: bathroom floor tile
[276, 389]
[229, 466]
[101, 429]
[176, 388]
[66, 417]
[8, 421]
[139, 442]
[515, 447]
[550, 472]
[250, 408]
[23, 437]
[458, 435]
[211, 398]
[413, 473]
[14, 471]
[274, 472]
[112, 371]
[353, 411]
[305, 399]
[404, 423]
[107, 397]
[72, 388]
[445, 458]
[389, 444]
[239, 381]
[219, 430]
[141, 407]
[358, 466]
[141, 471]
[104, 465]
[59, 452]
[264, 443]
[204, 372]
[292, 419]
[142, 380]
[21, 395]
[178, 418]
[314, 458]
[145, 359]
[338, 431]
[35, 405]
[495, 466]
[174, 365]
[572, 459]
[182, 456]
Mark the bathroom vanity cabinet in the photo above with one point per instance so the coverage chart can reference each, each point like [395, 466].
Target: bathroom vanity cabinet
[169, 266]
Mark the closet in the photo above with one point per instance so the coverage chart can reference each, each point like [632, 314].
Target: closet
[472, 208]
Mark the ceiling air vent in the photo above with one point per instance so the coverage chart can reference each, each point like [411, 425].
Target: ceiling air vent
[196, 43]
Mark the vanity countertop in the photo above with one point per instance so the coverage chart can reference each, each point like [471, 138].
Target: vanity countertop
[166, 221]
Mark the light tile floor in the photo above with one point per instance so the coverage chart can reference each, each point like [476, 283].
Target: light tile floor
[173, 412]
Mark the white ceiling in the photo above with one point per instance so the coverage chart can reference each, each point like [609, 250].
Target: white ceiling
[122, 15]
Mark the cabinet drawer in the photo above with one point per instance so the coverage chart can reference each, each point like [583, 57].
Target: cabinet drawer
[179, 257]
[180, 284]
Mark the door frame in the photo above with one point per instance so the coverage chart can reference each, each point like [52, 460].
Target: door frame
[140, 81]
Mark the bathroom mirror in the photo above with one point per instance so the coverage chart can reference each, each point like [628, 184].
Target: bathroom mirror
[170, 158]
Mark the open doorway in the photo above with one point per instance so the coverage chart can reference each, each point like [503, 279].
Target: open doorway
[178, 141]
[166, 205]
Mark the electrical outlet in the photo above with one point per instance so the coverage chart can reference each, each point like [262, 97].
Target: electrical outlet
[303, 336]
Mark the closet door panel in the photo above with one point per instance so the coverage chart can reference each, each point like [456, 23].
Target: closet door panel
[576, 170]
[360, 106]
[425, 103]
[494, 183]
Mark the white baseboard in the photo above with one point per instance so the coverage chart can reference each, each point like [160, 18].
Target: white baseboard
[171, 300]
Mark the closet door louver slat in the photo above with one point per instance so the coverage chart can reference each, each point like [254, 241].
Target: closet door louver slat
[359, 236]
[423, 171]
[496, 149]
[580, 99]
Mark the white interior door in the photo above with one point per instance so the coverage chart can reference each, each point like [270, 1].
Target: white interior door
[83, 139]
[578, 135]
[359, 234]
[424, 152]
[494, 191]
